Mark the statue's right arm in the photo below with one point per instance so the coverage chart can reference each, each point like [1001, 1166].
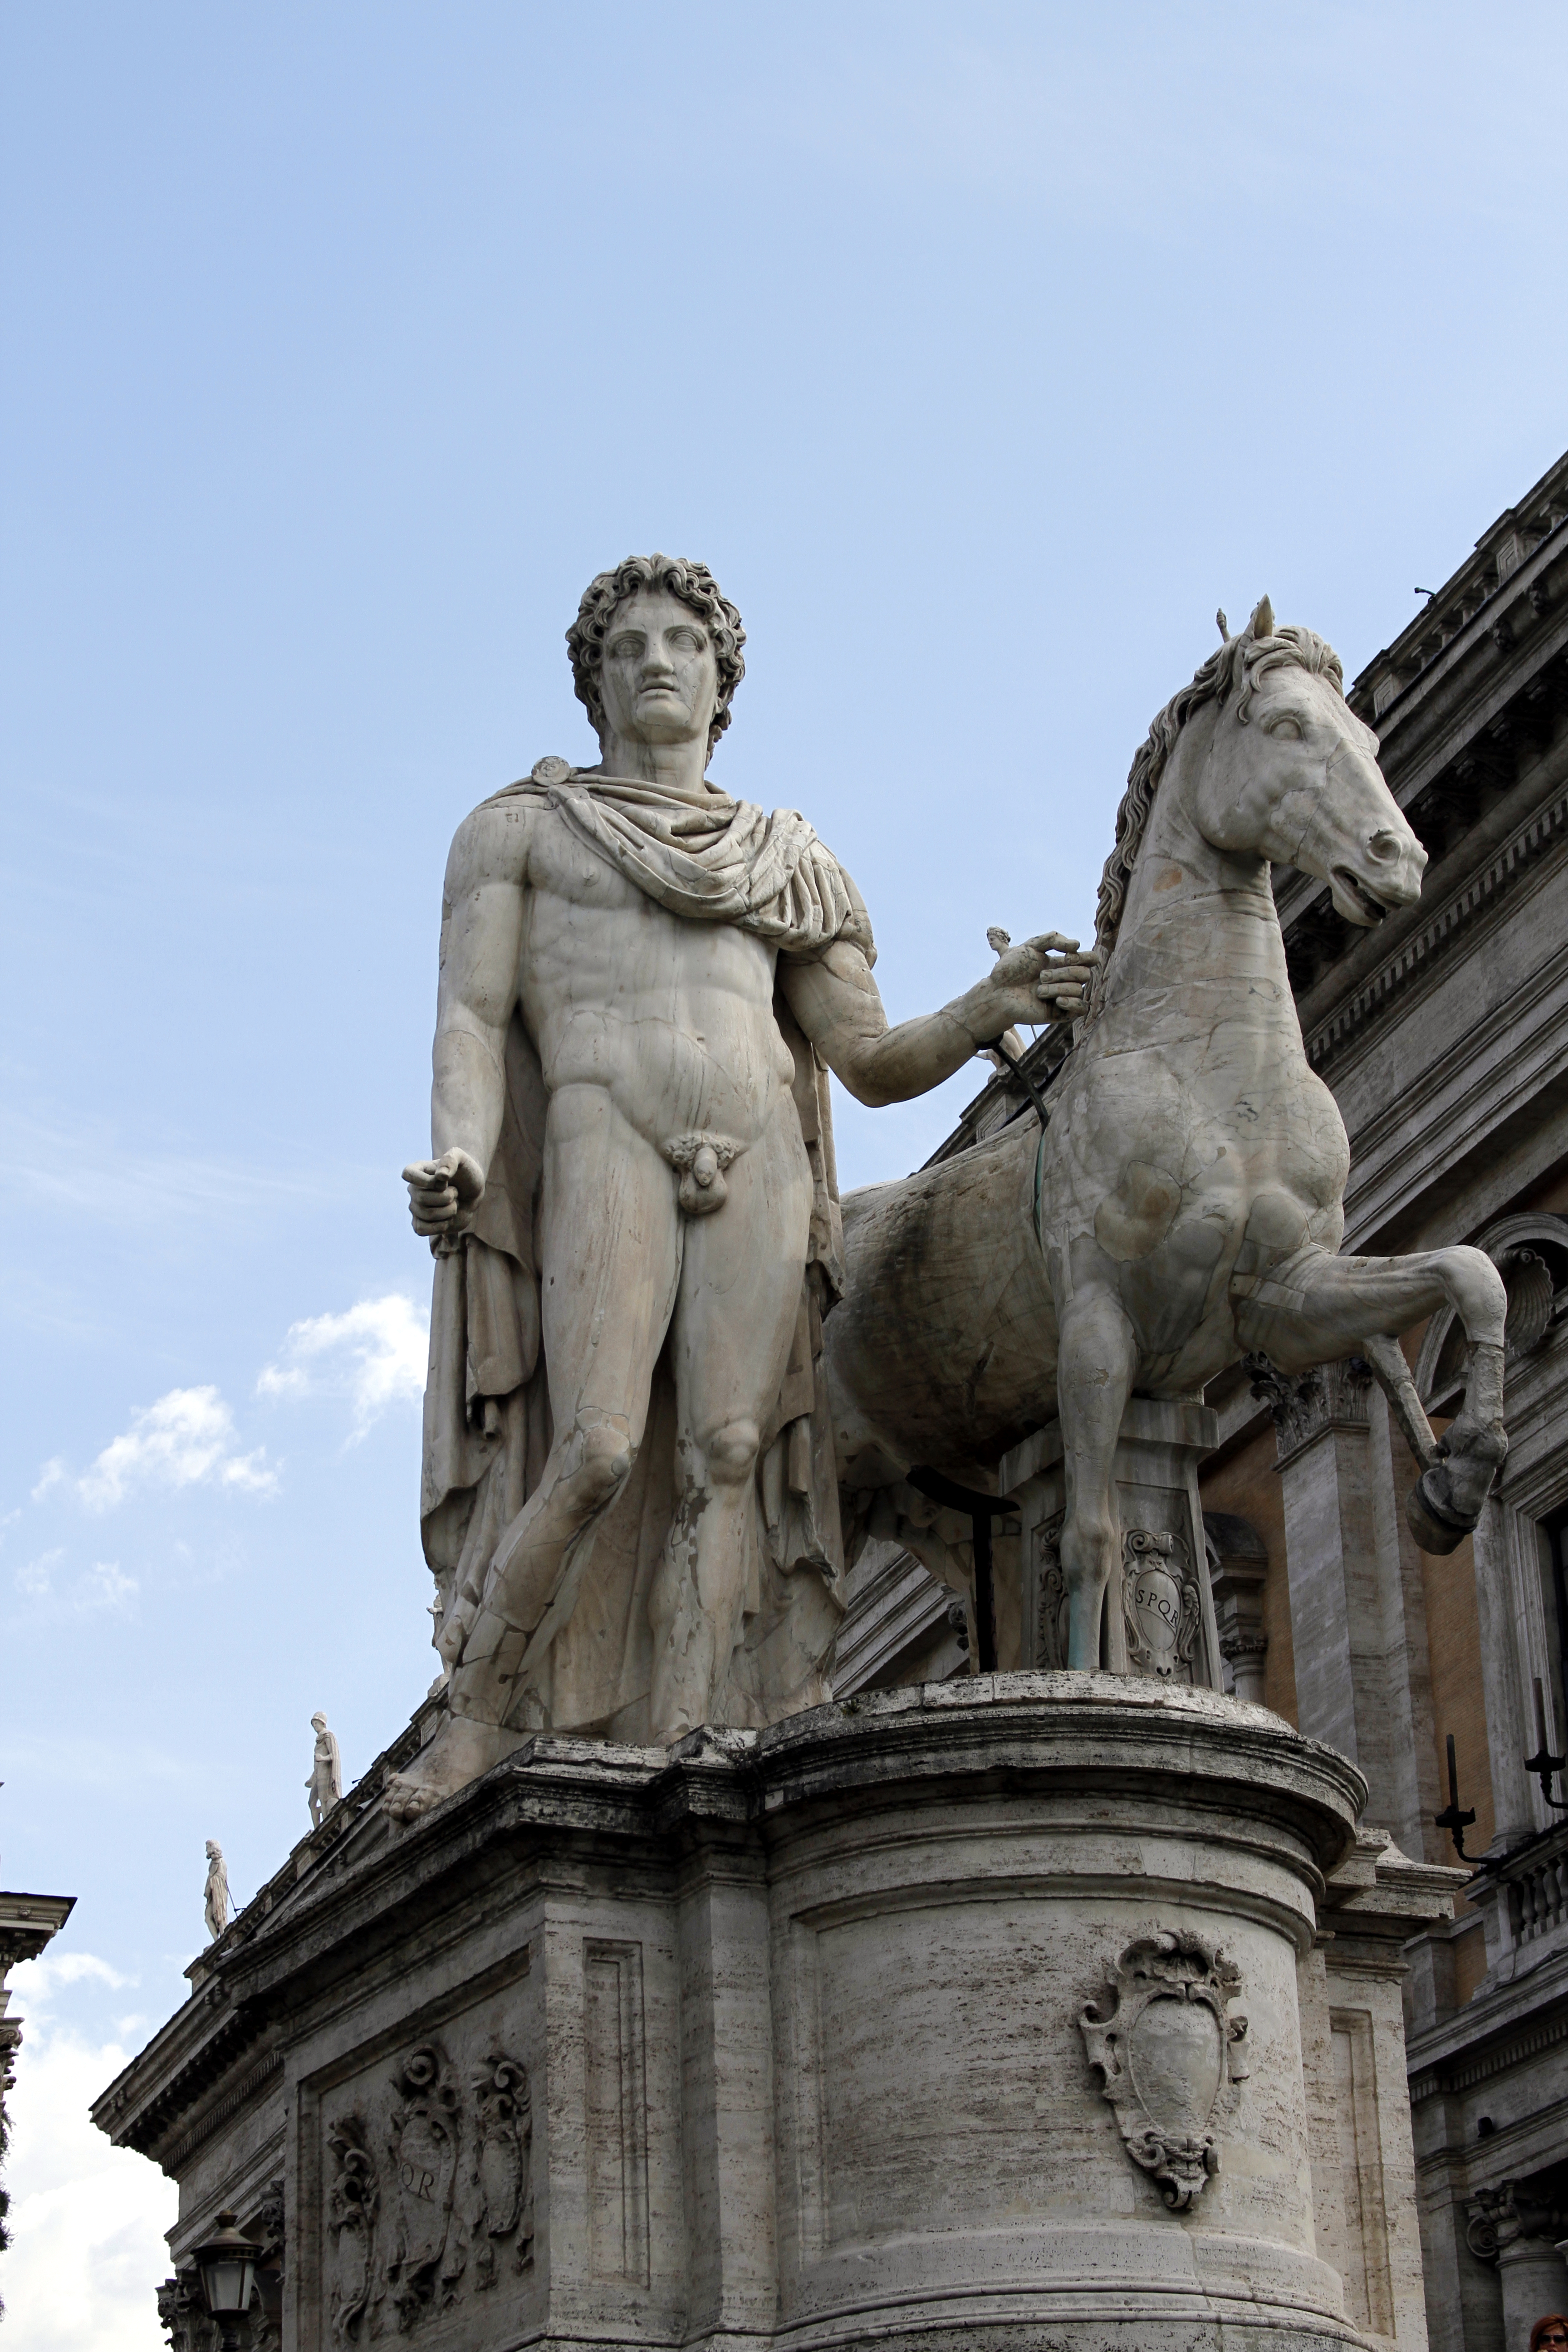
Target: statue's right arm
[481, 939]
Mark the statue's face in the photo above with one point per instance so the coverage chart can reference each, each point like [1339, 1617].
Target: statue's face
[659, 680]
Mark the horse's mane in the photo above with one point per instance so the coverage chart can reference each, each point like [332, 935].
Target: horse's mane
[1240, 661]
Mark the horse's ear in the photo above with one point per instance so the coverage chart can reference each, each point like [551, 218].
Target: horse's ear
[1224, 626]
[1262, 622]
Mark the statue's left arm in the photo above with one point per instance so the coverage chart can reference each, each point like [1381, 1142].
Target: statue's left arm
[836, 1004]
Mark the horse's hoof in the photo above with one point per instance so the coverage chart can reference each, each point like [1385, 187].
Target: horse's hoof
[1430, 1515]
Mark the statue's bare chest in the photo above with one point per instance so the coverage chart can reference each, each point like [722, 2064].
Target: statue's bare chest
[562, 866]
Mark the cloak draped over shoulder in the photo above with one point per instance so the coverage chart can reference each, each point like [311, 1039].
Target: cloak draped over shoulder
[487, 1426]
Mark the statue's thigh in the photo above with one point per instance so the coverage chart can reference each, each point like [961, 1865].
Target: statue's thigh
[740, 1283]
[609, 1257]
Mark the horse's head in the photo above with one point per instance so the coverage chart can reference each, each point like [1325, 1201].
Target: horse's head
[1293, 776]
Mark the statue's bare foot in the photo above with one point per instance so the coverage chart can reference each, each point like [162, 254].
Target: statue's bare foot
[460, 1751]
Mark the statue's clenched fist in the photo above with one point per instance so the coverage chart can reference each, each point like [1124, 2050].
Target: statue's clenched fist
[443, 1195]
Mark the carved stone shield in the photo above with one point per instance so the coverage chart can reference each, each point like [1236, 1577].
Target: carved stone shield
[1176, 2055]
[1164, 2049]
[1160, 1604]
[423, 2149]
[426, 2159]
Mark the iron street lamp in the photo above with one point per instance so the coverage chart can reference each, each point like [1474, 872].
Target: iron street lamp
[227, 2266]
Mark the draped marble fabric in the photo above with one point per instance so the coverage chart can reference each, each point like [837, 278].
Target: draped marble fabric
[487, 1426]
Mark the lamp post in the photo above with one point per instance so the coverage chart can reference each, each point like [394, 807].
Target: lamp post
[227, 2266]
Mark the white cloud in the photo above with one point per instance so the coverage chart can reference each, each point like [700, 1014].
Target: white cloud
[108, 1586]
[51, 1475]
[87, 2219]
[186, 1439]
[374, 1354]
[103, 1586]
[35, 1982]
[39, 1575]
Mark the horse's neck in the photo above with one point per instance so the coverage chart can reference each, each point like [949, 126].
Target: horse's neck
[1198, 920]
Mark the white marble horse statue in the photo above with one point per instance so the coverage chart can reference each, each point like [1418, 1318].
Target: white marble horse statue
[1185, 1204]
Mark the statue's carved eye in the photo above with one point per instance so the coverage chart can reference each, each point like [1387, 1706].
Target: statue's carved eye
[1288, 728]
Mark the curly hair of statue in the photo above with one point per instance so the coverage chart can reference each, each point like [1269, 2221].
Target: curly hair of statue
[1241, 660]
[691, 584]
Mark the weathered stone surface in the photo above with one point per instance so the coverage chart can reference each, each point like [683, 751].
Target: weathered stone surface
[630, 1498]
[778, 2037]
[1184, 1204]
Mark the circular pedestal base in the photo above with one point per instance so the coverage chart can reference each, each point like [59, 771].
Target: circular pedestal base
[1037, 1938]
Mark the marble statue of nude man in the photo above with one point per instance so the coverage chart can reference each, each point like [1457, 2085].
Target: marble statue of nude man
[647, 935]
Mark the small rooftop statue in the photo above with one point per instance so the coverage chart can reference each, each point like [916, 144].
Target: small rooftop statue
[326, 1781]
[217, 1891]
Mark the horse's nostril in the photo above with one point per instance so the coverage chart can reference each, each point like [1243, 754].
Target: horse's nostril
[1385, 846]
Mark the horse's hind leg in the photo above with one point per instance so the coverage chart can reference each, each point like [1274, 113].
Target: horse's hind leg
[1318, 1307]
[1096, 1359]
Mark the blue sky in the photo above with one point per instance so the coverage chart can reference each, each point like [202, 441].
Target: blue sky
[982, 351]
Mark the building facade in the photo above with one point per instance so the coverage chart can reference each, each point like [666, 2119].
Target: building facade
[1443, 1036]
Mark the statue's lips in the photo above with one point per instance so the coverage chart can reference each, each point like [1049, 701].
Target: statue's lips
[1354, 900]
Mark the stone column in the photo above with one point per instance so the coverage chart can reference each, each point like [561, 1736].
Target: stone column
[1519, 2228]
[1373, 1902]
[726, 2089]
[1359, 1664]
[1238, 1567]
[1503, 1553]
[1534, 2280]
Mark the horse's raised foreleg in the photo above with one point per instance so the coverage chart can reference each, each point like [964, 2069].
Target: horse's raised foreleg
[1096, 1359]
[1317, 1308]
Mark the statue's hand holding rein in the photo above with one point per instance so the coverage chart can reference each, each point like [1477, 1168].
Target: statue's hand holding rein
[1046, 976]
[443, 1195]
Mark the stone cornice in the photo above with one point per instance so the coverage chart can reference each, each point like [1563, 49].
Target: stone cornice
[1485, 684]
[1478, 597]
[28, 1922]
[1502, 1064]
[731, 1787]
[1428, 2079]
[221, 2109]
[1516, 858]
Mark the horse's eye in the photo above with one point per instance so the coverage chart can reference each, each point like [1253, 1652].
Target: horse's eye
[1289, 728]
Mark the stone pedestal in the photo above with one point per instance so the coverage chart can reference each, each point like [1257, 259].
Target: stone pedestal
[1161, 1623]
[973, 2011]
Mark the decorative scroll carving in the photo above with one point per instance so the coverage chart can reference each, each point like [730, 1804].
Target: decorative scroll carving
[427, 2256]
[182, 2313]
[434, 2179]
[1331, 1396]
[1501, 2217]
[1480, 2230]
[269, 2226]
[1161, 1604]
[503, 2172]
[353, 2201]
[1050, 1586]
[1165, 2050]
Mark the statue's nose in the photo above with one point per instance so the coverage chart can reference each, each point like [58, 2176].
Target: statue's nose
[1398, 860]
